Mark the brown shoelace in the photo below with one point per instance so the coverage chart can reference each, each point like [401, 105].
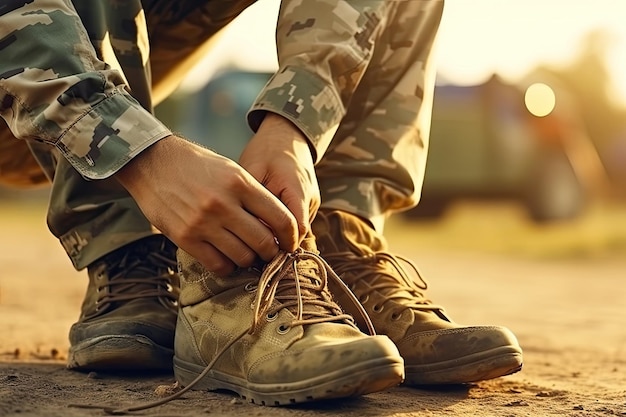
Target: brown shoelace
[132, 277]
[394, 283]
[295, 285]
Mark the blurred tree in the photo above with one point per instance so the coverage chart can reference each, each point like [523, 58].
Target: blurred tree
[588, 78]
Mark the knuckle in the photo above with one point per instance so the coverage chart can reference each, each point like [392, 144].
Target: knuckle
[236, 183]
[267, 247]
[209, 203]
[186, 232]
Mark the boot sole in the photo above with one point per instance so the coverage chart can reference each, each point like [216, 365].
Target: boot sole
[120, 353]
[490, 364]
[365, 378]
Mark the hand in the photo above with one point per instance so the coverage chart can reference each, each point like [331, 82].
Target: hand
[208, 205]
[279, 157]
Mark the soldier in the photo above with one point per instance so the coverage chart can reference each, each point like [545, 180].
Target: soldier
[341, 133]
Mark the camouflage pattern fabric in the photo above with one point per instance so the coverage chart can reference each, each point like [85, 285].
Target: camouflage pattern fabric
[375, 163]
[54, 89]
[82, 77]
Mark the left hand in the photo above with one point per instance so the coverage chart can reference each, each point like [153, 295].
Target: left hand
[279, 157]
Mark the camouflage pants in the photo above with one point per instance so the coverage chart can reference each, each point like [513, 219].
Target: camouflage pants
[374, 166]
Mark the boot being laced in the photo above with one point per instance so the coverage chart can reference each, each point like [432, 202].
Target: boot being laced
[435, 349]
[129, 313]
[297, 281]
[274, 337]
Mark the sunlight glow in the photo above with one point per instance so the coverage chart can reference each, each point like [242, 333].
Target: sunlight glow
[480, 37]
[476, 39]
[540, 99]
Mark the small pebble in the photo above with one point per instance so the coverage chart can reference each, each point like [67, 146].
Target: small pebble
[166, 390]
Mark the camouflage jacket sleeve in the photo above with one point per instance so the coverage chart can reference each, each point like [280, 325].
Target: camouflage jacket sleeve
[54, 89]
[323, 48]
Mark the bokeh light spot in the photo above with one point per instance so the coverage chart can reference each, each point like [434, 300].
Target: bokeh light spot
[540, 99]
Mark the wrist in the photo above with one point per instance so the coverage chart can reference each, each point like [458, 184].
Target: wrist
[142, 164]
[275, 125]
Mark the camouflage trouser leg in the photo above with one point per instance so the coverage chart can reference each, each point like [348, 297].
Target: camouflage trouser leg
[375, 164]
[90, 218]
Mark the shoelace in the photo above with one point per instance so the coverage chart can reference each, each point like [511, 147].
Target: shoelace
[152, 279]
[395, 286]
[306, 290]
[284, 267]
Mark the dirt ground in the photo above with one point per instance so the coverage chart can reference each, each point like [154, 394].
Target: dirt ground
[561, 289]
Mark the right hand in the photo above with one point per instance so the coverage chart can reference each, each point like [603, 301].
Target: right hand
[208, 205]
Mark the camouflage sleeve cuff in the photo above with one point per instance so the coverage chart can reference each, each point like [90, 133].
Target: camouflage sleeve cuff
[305, 99]
[106, 138]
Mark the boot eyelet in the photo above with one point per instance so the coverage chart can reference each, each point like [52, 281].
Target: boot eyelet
[378, 308]
[364, 299]
[282, 329]
[271, 316]
[250, 287]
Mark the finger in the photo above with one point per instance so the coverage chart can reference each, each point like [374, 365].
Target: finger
[211, 258]
[237, 251]
[299, 207]
[276, 215]
[256, 234]
[315, 206]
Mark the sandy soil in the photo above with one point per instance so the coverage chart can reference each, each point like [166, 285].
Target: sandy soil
[568, 312]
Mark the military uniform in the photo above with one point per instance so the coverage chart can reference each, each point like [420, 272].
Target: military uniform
[83, 77]
[77, 84]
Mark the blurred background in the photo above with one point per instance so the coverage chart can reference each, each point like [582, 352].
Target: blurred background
[528, 141]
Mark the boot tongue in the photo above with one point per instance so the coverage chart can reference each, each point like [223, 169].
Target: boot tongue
[358, 234]
[308, 272]
[308, 243]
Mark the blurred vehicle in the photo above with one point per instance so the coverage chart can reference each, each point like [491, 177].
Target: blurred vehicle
[485, 143]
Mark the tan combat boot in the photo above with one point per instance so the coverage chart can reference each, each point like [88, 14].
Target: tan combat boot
[435, 349]
[275, 336]
[129, 312]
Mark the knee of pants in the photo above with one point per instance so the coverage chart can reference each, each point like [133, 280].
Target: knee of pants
[18, 166]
